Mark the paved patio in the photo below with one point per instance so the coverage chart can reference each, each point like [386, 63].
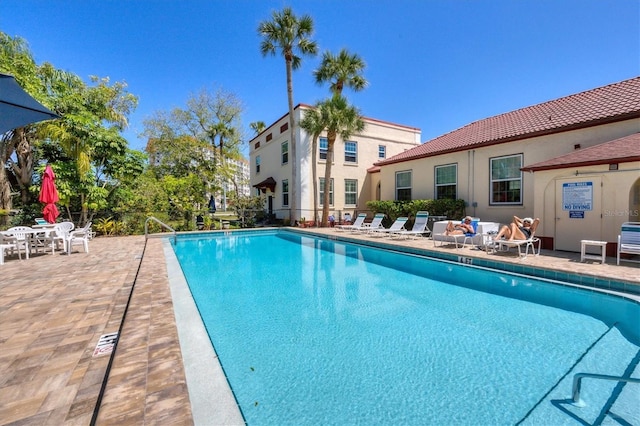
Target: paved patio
[55, 308]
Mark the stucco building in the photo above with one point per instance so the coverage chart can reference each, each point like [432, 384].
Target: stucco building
[271, 172]
[574, 162]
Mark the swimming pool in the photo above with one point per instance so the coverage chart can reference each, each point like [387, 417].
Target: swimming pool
[311, 331]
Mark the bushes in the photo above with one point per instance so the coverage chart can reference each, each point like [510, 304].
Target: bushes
[395, 209]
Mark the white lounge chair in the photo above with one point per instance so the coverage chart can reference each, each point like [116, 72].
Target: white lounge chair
[356, 224]
[629, 240]
[419, 228]
[456, 238]
[396, 226]
[375, 224]
[529, 243]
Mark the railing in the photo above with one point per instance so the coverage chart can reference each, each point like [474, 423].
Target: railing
[577, 384]
[164, 225]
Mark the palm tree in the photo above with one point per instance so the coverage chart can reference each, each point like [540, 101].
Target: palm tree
[313, 124]
[345, 69]
[290, 35]
[258, 126]
[339, 118]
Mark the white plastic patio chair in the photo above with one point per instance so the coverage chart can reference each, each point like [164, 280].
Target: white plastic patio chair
[59, 235]
[80, 236]
[7, 244]
[21, 236]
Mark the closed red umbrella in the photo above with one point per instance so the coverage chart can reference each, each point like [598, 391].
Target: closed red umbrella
[49, 195]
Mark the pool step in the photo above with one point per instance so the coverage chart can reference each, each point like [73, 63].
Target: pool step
[606, 402]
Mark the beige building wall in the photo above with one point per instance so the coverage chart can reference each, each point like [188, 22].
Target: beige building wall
[473, 169]
[616, 200]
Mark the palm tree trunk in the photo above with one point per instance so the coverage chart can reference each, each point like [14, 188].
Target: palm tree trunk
[327, 179]
[293, 160]
[314, 147]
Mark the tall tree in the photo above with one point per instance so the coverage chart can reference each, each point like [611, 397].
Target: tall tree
[339, 119]
[258, 126]
[16, 146]
[93, 117]
[291, 36]
[312, 123]
[198, 139]
[344, 69]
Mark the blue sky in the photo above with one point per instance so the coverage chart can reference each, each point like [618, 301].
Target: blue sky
[432, 64]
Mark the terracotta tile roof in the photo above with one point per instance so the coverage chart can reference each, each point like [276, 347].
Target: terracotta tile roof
[623, 150]
[614, 102]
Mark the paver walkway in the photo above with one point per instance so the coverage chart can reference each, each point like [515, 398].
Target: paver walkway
[53, 310]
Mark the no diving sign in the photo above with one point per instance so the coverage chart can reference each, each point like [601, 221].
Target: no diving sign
[577, 197]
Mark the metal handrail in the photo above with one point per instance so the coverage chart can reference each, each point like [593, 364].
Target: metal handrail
[577, 384]
[164, 225]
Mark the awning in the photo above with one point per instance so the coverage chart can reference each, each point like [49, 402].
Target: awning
[269, 183]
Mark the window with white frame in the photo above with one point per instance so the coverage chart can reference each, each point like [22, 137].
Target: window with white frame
[285, 192]
[403, 185]
[321, 195]
[382, 151]
[285, 152]
[446, 182]
[257, 164]
[350, 192]
[506, 180]
[322, 148]
[350, 152]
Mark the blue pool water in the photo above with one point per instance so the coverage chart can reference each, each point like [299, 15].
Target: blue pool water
[311, 331]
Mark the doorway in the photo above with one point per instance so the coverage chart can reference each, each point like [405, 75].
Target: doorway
[578, 211]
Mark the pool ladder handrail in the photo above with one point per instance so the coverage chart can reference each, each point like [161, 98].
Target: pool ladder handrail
[577, 384]
[164, 225]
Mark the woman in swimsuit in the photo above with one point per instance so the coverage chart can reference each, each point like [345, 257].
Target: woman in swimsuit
[519, 229]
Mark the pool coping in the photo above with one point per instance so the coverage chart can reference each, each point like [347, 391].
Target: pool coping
[205, 376]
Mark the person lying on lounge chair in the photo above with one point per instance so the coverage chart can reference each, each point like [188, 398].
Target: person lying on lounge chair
[460, 228]
[519, 229]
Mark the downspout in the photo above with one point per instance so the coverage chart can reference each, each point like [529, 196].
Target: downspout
[474, 203]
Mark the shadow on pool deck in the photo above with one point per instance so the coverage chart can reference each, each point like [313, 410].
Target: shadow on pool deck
[54, 308]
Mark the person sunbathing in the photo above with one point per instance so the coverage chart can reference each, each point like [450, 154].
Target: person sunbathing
[518, 229]
[460, 228]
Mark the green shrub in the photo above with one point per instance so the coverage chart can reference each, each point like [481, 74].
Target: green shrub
[452, 209]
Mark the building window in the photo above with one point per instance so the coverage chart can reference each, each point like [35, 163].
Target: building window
[506, 180]
[269, 137]
[382, 151]
[285, 152]
[284, 127]
[322, 192]
[257, 164]
[403, 186]
[285, 192]
[350, 192]
[257, 145]
[322, 148]
[446, 182]
[350, 152]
